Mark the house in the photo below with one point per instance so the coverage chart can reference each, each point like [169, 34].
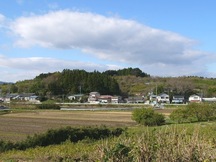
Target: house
[93, 97]
[116, 99]
[34, 99]
[163, 98]
[11, 96]
[195, 98]
[212, 99]
[153, 98]
[1, 99]
[105, 99]
[25, 96]
[76, 97]
[178, 99]
[136, 99]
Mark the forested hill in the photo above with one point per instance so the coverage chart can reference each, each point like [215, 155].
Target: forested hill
[73, 82]
[125, 82]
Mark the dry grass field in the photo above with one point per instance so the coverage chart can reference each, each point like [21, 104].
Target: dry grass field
[18, 125]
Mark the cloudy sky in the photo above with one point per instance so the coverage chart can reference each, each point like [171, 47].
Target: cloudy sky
[162, 38]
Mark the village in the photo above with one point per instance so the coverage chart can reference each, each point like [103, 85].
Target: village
[97, 98]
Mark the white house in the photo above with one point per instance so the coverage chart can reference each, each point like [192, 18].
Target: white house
[178, 99]
[26, 96]
[195, 98]
[77, 97]
[93, 97]
[163, 98]
[116, 99]
[34, 99]
[153, 98]
[136, 99]
[212, 99]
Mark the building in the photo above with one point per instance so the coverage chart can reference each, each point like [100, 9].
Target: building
[75, 97]
[116, 99]
[195, 98]
[105, 99]
[93, 97]
[136, 99]
[153, 98]
[178, 99]
[163, 98]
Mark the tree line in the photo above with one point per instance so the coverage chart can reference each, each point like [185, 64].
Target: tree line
[72, 82]
[127, 71]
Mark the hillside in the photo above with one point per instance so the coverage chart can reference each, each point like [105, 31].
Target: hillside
[125, 82]
[171, 85]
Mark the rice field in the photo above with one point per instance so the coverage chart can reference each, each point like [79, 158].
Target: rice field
[17, 126]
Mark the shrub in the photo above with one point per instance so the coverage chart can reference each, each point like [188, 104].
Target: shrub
[48, 106]
[194, 112]
[148, 117]
[181, 115]
[61, 135]
[176, 144]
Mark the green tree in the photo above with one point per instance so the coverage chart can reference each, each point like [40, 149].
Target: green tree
[148, 117]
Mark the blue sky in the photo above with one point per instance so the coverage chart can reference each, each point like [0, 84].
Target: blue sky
[162, 38]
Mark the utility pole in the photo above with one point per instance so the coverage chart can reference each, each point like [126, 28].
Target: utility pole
[156, 89]
[80, 88]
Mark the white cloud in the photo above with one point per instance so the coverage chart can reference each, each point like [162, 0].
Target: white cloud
[2, 20]
[113, 39]
[14, 69]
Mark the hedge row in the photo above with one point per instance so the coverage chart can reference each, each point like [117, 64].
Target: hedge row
[194, 112]
[48, 106]
[58, 136]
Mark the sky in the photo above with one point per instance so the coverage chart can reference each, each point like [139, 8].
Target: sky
[167, 38]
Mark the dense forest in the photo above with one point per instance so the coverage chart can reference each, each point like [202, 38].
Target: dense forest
[68, 82]
[127, 71]
[125, 82]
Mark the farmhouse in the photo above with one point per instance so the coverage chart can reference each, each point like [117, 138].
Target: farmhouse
[178, 99]
[105, 99]
[212, 99]
[153, 98]
[163, 98]
[76, 97]
[27, 96]
[93, 97]
[116, 99]
[136, 99]
[195, 98]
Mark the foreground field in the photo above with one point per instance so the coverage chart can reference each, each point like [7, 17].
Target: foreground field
[18, 125]
[187, 142]
[182, 142]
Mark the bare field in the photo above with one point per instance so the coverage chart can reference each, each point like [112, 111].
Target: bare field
[17, 126]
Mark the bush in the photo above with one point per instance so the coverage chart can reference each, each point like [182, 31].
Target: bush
[48, 106]
[181, 115]
[58, 136]
[148, 117]
[194, 112]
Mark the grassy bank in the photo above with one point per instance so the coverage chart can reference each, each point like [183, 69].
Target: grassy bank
[188, 142]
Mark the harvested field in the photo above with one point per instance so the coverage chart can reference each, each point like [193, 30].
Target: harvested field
[17, 126]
